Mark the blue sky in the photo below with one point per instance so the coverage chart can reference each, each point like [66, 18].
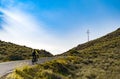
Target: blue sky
[56, 25]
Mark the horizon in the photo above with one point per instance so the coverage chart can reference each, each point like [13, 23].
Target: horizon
[56, 25]
[67, 49]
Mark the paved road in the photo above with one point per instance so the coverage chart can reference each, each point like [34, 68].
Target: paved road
[7, 67]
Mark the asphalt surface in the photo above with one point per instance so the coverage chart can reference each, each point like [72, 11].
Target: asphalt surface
[7, 67]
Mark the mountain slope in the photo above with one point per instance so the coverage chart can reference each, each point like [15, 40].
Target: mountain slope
[10, 51]
[97, 59]
[106, 44]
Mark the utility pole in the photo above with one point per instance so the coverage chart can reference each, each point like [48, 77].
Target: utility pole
[88, 32]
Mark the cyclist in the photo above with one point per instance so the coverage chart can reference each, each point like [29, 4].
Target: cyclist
[34, 56]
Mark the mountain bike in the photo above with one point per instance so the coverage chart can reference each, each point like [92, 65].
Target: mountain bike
[34, 60]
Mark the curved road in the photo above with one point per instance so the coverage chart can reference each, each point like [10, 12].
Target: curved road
[7, 67]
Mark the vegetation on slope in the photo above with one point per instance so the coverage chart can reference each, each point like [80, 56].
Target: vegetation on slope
[71, 67]
[97, 59]
[104, 45]
[10, 51]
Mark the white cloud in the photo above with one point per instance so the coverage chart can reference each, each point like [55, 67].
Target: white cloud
[22, 28]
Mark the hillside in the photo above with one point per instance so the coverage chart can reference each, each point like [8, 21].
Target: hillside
[97, 59]
[106, 44]
[10, 51]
